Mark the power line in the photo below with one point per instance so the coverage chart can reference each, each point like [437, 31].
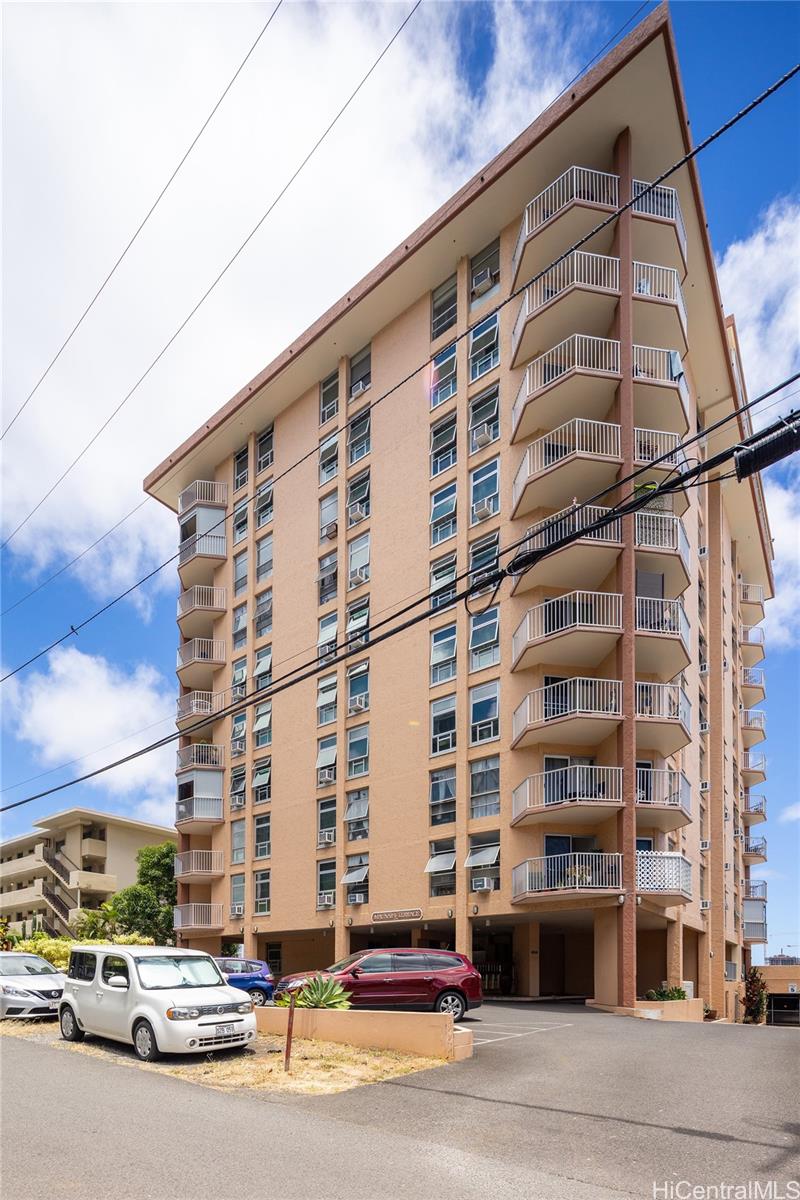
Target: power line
[141, 224]
[216, 280]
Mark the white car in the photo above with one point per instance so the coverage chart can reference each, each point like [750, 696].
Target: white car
[29, 986]
[158, 999]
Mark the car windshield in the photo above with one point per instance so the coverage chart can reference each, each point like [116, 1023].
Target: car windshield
[344, 963]
[25, 964]
[175, 971]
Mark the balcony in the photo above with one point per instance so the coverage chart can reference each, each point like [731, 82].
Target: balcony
[659, 309]
[576, 378]
[203, 491]
[30, 864]
[663, 548]
[664, 876]
[754, 889]
[753, 809]
[662, 637]
[754, 850]
[577, 459]
[660, 391]
[753, 725]
[200, 754]
[103, 883]
[578, 711]
[565, 211]
[751, 644]
[663, 799]
[199, 866]
[21, 898]
[198, 659]
[754, 932]
[197, 917]
[198, 814]
[197, 608]
[751, 601]
[663, 717]
[585, 562]
[193, 706]
[577, 795]
[753, 768]
[92, 847]
[579, 293]
[576, 630]
[659, 232]
[659, 450]
[752, 682]
[583, 875]
[199, 556]
[731, 972]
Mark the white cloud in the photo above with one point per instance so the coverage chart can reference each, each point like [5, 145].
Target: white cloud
[790, 813]
[90, 137]
[782, 622]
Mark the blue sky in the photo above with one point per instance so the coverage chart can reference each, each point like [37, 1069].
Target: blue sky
[81, 175]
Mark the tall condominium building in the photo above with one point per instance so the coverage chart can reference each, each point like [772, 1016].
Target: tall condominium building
[560, 781]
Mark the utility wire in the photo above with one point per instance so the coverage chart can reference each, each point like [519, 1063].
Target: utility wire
[217, 278]
[141, 224]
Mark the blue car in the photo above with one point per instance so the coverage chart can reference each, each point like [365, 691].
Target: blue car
[250, 975]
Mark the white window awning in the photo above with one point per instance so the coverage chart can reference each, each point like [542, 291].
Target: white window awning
[239, 675]
[483, 856]
[326, 757]
[328, 633]
[263, 719]
[355, 874]
[440, 862]
[263, 662]
[328, 690]
[357, 808]
[261, 774]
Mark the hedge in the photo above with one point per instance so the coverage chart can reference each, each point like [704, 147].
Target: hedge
[56, 950]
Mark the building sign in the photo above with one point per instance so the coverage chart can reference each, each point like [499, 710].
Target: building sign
[400, 914]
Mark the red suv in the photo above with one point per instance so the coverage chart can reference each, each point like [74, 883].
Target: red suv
[413, 978]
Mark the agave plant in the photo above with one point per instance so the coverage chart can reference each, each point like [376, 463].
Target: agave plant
[317, 992]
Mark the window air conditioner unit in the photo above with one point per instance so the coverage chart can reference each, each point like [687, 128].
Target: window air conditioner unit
[358, 576]
[728, 866]
[327, 650]
[703, 668]
[358, 640]
[237, 910]
[326, 837]
[482, 281]
[483, 884]
[237, 801]
[357, 388]
[356, 898]
[482, 436]
[238, 691]
[705, 845]
[358, 704]
[331, 529]
[356, 512]
[325, 900]
[237, 745]
[482, 510]
[705, 785]
[705, 905]
[326, 775]
[726, 815]
[702, 552]
[704, 726]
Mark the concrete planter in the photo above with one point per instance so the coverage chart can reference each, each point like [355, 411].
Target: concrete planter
[430, 1035]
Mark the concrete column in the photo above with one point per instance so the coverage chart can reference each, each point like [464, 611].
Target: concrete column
[463, 932]
[715, 858]
[605, 955]
[526, 957]
[415, 938]
[341, 939]
[250, 940]
[674, 974]
[704, 968]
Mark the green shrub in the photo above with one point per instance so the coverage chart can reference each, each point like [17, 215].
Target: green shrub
[56, 950]
[669, 993]
[755, 996]
[318, 992]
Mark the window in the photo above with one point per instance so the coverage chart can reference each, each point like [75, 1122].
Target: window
[326, 641]
[239, 679]
[114, 965]
[357, 751]
[484, 710]
[261, 835]
[274, 958]
[484, 639]
[443, 653]
[326, 883]
[329, 397]
[237, 894]
[356, 880]
[238, 733]
[484, 787]
[82, 965]
[443, 445]
[263, 504]
[484, 272]
[240, 573]
[264, 558]
[358, 498]
[444, 376]
[261, 888]
[441, 867]
[238, 832]
[443, 724]
[443, 580]
[262, 669]
[443, 514]
[444, 307]
[240, 461]
[326, 699]
[237, 796]
[483, 861]
[326, 761]
[358, 622]
[485, 490]
[262, 724]
[240, 522]
[326, 821]
[262, 780]
[358, 560]
[328, 577]
[360, 371]
[356, 815]
[358, 437]
[328, 509]
[484, 419]
[265, 452]
[443, 796]
[329, 458]
[239, 626]
[263, 614]
[484, 557]
[484, 348]
[358, 688]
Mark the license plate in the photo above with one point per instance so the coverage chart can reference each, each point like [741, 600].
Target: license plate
[223, 1031]
[54, 1004]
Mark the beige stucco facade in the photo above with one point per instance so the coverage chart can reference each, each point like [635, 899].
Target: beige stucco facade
[609, 825]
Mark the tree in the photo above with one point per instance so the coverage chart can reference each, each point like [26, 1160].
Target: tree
[138, 911]
[97, 922]
[145, 907]
[755, 996]
[155, 869]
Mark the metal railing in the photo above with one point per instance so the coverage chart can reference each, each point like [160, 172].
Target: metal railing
[754, 889]
[753, 762]
[597, 439]
[755, 846]
[579, 352]
[211, 544]
[577, 183]
[751, 635]
[584, 783]
[199, 862]
[663, 702]
[201, 596]
[580, 269]
[595, 610]
[655, 365]
[661, 202]
[578, 697]
[730, 971]
[753, 718]
[662, 531]
[202, 491]
[210, 650]
[750, 593]
[753, 677]
[662, 616]
[754, 931]
[663, 871]
[754, 805]
[199, 808]
[569, 522]
[657, 785]
[200, 704]
[589, 870]
[200, 754]
[197, 916]
[662, 283]
[650, 444]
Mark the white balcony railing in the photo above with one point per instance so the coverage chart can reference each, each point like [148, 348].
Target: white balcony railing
[756, 847]
[754, 889]
[211, 650]
[197, 916]
[578, 697]
[753, 677]
[755, 931]
[752, 635]
[660, 202]
[596, 439]
[754, 762]
[200, 704]
[576, 184]
[750, 593]
[663, 871]
[209, 544]
[654, 365]
[576, 353]
[202, 491]
[754, 806]
[579, 269]
[595, 610]
[753, 718]
[570, 522]
[199, 808]
[730, 971]
[662, 283]
[662, 531]
[586, 871]
[656, 785]
[650, 445]
[584, 783]
[663, 702]
[201, 596]
[200, 754]
[199, 862]
[667, 617]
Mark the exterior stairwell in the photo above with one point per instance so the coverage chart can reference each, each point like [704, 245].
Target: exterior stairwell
[60, 902]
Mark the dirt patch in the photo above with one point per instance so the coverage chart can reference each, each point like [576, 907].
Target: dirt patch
[318, 1068]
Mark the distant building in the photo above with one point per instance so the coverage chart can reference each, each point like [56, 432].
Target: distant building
[783, 960]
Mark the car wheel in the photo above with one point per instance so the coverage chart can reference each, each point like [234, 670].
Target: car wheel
[451, 1002]
[70, 1030]
[258, 997]
[144, 1042]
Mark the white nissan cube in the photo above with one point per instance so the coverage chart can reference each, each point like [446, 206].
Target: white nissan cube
[159, 999]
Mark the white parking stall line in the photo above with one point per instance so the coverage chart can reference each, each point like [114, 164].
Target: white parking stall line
[506, 1037]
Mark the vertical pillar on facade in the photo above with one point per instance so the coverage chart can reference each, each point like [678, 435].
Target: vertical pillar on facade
[463, 931]
[704, 967]
[526, 957]
[626, 737]
[715, 859]
[341, 932]
[250, 941]
[606, 956]
[674, 974]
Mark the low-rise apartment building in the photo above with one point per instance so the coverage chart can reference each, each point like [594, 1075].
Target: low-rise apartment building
[560, 780]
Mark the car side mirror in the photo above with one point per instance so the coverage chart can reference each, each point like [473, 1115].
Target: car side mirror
[117, 981]
[355, 972]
